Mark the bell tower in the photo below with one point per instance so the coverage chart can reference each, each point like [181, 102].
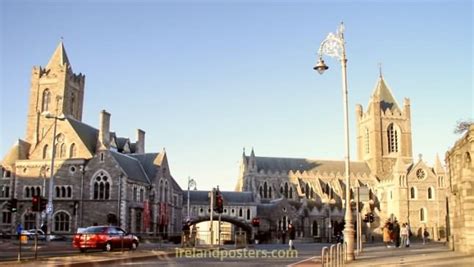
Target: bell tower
[384, 131]
[55, 89]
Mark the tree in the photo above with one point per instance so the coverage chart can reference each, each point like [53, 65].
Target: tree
[462, 126]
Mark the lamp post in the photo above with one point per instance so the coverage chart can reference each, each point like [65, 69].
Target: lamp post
[333, 46]
[191, 183]
[49, 208]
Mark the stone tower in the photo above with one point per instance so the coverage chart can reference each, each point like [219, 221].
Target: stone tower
[55, 89]
[384, 131]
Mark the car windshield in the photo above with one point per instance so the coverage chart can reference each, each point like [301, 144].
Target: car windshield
[93, 230]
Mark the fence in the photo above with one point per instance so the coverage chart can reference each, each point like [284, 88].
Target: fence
[334, 256]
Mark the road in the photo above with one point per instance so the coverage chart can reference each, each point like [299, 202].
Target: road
[274, 255]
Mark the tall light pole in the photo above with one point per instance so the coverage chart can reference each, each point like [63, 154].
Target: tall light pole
[191, 183]
[334, 46]
[49, 208]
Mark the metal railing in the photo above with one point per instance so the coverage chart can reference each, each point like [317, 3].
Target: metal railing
[334, 256]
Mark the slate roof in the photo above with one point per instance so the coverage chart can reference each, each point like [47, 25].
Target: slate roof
[299, 164]
[88, 134]
[131, 166]
[230, 197]
[387, 101]
[146, 160]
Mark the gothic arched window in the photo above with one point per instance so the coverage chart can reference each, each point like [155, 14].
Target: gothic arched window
[101, 186]
[412, 193]
[269, 192]
[430, 193]
[392, 135]
[265, 189]
[46, 100]
[45, 151]
[286, 190]
[72, 150]
[62, 222]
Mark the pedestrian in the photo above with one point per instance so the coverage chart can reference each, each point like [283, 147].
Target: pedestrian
[403, 235]
[425, 235]
[291, 233]
[409, 235]
[386, 235]
[186, 229]
[396, 233]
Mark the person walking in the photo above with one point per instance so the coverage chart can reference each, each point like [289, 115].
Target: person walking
[291, 233]
[425, 235]
[396, 233]
[407, 226]
[386, 235]
[403, 235]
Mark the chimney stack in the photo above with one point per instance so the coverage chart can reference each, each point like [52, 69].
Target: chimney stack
[140, 145]
[104, 131]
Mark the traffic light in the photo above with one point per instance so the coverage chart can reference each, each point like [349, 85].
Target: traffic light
[35, 203]
[220, 204]
[256, 221]
[43, 203]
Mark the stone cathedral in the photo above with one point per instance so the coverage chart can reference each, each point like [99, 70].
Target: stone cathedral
[310, 193]
[99, 176]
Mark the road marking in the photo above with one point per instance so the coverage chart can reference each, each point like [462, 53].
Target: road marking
[301, 261]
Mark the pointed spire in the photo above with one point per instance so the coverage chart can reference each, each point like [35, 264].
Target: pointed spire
[252, 154]
[380, 71]
[438, 167]
[59, 57]
[384, 94]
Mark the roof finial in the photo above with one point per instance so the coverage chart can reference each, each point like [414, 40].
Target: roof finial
[380, 69]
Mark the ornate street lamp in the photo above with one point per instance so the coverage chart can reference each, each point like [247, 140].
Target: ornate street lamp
[49, 207]
[191, 183]
[334, 46]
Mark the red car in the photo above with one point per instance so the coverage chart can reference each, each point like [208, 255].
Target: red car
[104, 237]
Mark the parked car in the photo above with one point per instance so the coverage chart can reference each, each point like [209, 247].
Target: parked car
[104, 237]
[31, 234]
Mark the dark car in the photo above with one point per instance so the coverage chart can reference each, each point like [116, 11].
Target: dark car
[104, 237]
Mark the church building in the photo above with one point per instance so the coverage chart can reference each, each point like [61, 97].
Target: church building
[99, 177]
[389, 183]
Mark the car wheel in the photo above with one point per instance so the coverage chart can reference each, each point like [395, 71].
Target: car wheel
[134, 246]
[108, 247]
[83, 250]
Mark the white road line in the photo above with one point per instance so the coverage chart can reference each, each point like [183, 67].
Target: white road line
[293, 264]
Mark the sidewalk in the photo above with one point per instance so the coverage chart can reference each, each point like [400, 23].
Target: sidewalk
[431, 254]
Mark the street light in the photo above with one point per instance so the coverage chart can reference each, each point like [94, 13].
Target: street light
[191, 183]
[333, 46]
[49, 208]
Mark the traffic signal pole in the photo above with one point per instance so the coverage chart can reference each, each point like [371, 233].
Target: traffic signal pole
[213, 192]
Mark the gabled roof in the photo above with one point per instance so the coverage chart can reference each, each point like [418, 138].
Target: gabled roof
[86, 133]
[59, 57]
[131, 166]
[19, 151]
[146, 160]
[299, 164]
[383, 92]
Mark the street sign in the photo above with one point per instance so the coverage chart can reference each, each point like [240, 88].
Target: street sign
[49, 208]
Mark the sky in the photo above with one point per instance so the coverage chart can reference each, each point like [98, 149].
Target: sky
[206, 79]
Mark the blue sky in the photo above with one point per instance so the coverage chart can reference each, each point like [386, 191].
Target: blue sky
[205, 79]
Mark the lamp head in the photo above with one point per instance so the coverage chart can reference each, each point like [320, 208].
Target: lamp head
[321, 66]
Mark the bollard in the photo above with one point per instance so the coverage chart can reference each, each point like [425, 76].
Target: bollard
[331, 255]
[338, 254]
[324, 257]
[19, 246]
